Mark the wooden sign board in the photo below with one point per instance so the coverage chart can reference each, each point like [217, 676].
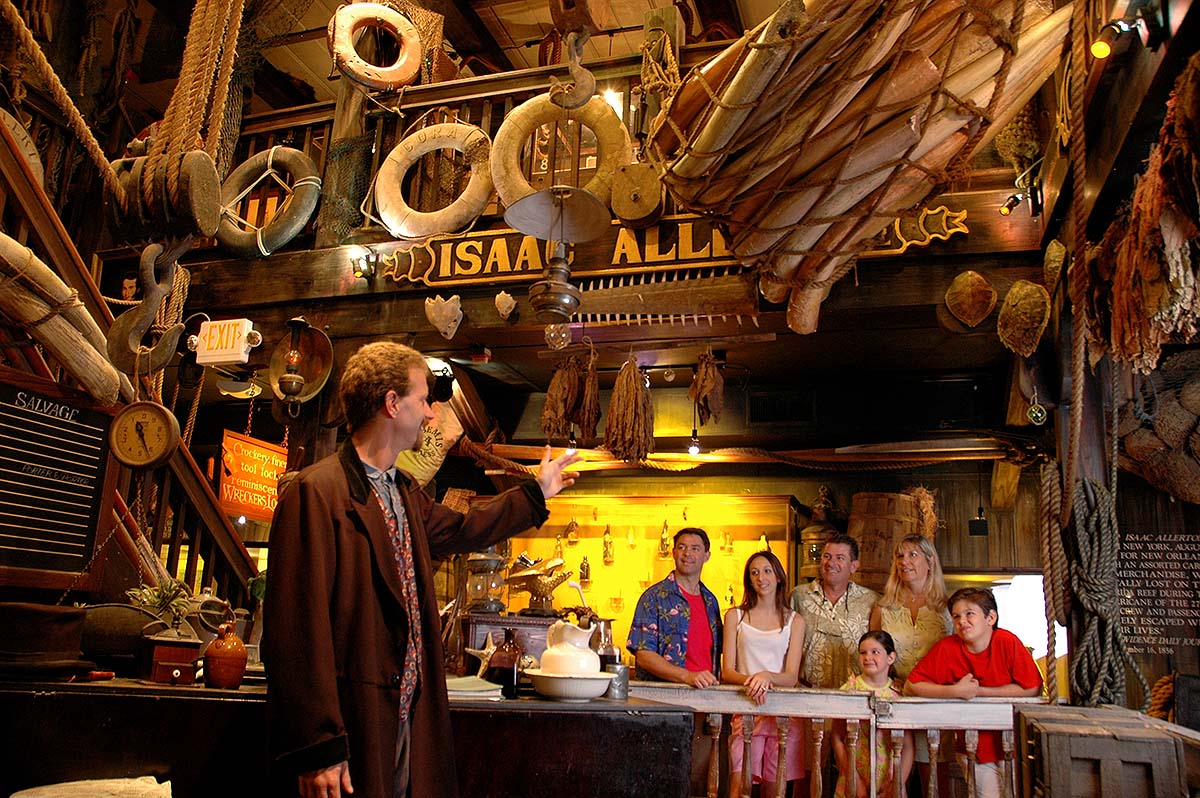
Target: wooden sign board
[56, 484]
[250, 470]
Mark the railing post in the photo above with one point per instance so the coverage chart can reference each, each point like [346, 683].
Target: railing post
[1007, 786]
[852, 729]
[972, 738]
[781, 766]
[897, 737]
[747, 765]
[935, 744]
[714, 754]
[818, 737]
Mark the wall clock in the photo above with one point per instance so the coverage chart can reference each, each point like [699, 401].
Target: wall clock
[143, 435]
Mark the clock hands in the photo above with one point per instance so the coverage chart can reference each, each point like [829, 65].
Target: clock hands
[141, 433]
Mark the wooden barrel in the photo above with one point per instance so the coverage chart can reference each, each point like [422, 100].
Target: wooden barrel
[812, 538]
[878, 521]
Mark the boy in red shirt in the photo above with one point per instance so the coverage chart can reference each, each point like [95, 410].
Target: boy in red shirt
[979, 659]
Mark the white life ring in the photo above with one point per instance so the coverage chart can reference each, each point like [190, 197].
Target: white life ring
[612, 140]
[404, 222]
[352, 17]
[289, 218]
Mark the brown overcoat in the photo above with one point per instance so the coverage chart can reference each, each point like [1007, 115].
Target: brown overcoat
[335, 629]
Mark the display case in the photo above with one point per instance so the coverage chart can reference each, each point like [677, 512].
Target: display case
[627, 541]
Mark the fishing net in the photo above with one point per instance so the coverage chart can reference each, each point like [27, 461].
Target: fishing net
[830, 120]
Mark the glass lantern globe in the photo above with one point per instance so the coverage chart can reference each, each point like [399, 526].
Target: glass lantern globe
[485, 582]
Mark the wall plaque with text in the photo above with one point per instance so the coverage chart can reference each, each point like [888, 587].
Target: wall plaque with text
[54, 487]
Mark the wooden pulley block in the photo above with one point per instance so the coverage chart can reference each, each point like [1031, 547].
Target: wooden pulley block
[637, 195]
[592, 16]
[197, 209]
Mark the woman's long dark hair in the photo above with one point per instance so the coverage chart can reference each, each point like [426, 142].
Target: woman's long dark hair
[750, 596]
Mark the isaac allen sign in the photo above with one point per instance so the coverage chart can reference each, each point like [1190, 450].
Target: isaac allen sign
[250, 469]
[501, 256]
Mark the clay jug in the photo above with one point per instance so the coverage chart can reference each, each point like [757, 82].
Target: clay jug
[225, 660]
[568, 651]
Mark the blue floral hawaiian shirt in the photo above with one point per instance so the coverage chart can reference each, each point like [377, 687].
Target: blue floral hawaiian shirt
[660, 623]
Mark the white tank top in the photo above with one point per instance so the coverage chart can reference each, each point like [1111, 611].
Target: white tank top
[762, 651]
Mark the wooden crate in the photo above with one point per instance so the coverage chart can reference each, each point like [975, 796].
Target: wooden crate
[1106, 752]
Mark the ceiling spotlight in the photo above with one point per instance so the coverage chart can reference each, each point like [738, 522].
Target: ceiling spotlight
[1102, 47]
[669, 374]
[1011, 203]
[694, 446]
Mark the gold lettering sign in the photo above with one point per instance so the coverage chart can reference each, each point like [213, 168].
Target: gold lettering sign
[508, 256]
[250, 471]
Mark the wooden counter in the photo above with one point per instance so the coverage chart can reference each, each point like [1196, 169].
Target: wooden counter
[201, 739]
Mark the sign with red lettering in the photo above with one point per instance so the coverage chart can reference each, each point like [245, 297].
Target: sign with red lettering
[250, 469]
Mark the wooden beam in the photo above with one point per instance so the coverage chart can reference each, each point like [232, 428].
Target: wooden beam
[1005, 479]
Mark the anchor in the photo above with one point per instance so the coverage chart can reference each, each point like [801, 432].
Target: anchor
[125, 349]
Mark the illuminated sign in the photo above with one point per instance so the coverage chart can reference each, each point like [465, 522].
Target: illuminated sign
[225, 342]
[250, 469]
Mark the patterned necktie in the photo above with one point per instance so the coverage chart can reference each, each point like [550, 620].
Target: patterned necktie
[401, 539]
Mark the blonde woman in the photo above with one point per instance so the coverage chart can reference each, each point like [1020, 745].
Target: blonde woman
[913, 608]
[913, 611]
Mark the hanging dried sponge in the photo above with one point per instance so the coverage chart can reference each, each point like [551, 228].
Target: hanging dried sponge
[707, 390]
[562, 398]
[1023, 317]
[970, 298]
[629, 430]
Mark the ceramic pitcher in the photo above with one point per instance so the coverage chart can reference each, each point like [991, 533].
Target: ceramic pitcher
[567, 650]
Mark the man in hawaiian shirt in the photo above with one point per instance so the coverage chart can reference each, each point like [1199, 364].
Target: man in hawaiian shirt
[836, 614]
[676, 630]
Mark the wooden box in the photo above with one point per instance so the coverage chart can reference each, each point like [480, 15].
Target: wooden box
[531, 633]
[1106, 752]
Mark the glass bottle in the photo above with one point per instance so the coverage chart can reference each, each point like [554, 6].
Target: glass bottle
[504, 664]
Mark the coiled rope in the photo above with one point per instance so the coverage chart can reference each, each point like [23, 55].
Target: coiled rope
[1055, 571]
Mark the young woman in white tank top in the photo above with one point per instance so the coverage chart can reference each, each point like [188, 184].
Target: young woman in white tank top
[763, 646]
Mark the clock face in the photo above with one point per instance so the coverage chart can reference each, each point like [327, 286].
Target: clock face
[143, 435]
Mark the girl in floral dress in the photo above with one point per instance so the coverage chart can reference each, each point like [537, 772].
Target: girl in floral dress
[876, 655]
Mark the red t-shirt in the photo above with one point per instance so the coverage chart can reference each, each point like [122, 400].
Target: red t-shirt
[1004, 661]
[700, 639]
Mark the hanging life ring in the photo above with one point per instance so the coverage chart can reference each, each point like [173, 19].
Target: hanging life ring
[352, 17]
[291, 215]
[404, 222]
[612, 141]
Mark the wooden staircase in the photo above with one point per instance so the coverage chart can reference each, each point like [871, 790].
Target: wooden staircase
[174, 512]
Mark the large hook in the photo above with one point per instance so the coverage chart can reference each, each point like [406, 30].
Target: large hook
[125, 349]
[574, 95]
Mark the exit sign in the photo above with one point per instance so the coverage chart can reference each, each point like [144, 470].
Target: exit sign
[225, 342]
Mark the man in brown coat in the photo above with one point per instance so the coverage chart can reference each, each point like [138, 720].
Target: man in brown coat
[356, 692]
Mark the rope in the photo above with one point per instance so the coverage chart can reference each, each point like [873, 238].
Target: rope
[207, 58]
[660, 69]
[194, 410]
[62, 99]
[486, 457]
[1054, 571]
[171, 313]
[1076, 274]
[1100, 657]
[71, 301]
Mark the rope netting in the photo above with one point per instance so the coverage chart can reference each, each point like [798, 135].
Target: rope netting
[816, 130]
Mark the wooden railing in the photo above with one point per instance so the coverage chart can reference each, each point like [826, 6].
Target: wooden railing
[816, 707]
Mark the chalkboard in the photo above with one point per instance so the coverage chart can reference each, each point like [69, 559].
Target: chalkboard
[54, 482]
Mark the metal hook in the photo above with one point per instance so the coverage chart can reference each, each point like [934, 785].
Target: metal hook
[574, 95]
[125, 335]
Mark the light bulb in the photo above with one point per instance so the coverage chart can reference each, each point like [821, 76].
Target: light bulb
[694, 446]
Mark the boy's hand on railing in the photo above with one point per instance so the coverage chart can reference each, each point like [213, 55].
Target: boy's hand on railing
[966, 688]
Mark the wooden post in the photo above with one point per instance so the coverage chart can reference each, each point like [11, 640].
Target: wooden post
[852, 729]
[747, 766]
[972, 738]
[935, 743]
[1006, 769]
[818, 737]
[714, 754]
[781, 727]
